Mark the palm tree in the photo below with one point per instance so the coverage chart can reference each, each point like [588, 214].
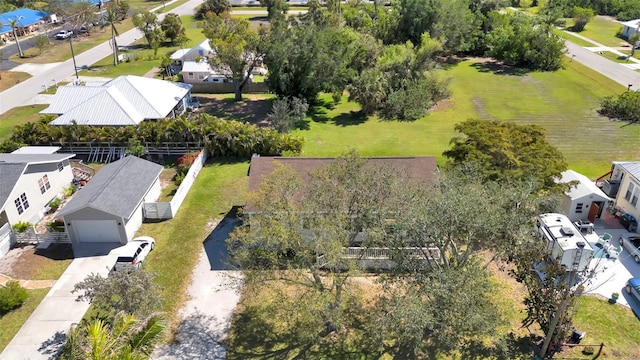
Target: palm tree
[127, 338]
[14, 25]
[111, 20]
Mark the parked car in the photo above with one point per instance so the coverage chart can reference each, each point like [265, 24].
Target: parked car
[633, 287]
[631, 242]
[64, 34]
[134, 253]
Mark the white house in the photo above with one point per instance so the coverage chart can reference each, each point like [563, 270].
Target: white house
[584, 200]
[125, 100]
[201, 50]
[109, 208]
[29, 181]
[200, 72]
[630, 28]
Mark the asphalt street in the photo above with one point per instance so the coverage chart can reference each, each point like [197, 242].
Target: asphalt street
[614, 71]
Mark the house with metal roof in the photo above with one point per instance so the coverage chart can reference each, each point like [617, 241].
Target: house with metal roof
[26, 19]
[28, 183]
[630, 28]
[201, 50]
[109, 208]
[583, 200]
[125, 100]
[201, 72]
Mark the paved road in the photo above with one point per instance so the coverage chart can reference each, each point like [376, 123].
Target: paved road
[608, 68]
[23, 92]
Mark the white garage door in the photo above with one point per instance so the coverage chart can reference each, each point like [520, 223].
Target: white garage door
[96, 230]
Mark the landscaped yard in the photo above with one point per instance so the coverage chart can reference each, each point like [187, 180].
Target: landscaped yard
[11, 322]
[569, 36]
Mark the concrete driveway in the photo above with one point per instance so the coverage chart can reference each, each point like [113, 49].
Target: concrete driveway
[213, 295]
[612, 275]
[44, 333]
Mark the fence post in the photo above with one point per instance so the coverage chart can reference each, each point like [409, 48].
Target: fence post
[600, 350]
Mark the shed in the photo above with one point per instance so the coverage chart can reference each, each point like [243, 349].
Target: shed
[629, 28]
[109, 208]
[584, 201]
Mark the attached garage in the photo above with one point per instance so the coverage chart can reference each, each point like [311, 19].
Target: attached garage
[96, 230]
[109, 208]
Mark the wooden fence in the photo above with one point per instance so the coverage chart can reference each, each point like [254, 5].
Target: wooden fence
[229, 88]
[167, 210]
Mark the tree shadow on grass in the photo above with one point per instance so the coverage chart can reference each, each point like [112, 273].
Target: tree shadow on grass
[498, 68]
[252, 111]
[56, 252]
[350, 118]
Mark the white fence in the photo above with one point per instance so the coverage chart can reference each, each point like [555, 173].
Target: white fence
[164, 210]
[5, 239]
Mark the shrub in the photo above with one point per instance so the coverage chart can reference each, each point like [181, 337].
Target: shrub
[68, 191]
[54, 204]
[21, 226]
[179, 178]
[185, 161]
[625, 107]
[288, 114]
[12, 296]
[56, 226]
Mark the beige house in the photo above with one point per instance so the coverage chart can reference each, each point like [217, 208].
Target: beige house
[624, 186]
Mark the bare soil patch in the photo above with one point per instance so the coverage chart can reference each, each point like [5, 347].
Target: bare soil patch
[253, 109]
[25, 262]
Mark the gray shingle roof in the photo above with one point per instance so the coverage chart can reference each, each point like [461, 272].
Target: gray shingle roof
[117, 188]
[9, 175]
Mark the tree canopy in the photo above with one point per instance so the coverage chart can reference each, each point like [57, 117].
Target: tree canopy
[507, 151]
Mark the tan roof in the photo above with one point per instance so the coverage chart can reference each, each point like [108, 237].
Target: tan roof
[418, 169]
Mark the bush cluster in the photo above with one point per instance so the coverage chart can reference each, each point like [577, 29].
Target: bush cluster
[184, 164]
[625, 107]
[12, 296]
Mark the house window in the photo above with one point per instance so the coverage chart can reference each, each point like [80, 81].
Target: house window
[632, 194]
[44, 184]
[21, 203]
[629, 192]
[200, 76]
[579, 207]
[60, 166]
[190, 75]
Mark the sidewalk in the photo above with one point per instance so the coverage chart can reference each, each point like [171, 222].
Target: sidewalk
[597, 47]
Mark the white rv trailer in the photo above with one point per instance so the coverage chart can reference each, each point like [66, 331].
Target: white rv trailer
[565, 242]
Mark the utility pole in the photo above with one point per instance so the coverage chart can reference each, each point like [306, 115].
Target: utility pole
[73, 56]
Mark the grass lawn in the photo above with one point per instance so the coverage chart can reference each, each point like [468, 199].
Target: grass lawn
[10, 78]
[602, 30]
[574, 39]
[546, 99]
[11, 322]
[17, 116]
[613, 57]
[615, 325]
[221, 184]
[61, 51]
[52, 89]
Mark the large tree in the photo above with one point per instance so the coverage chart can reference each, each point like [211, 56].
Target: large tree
[237, 49]
[214, 7]
[507, 151]
[518, 39]
[173, 29]
[297, 230]
[147, 22]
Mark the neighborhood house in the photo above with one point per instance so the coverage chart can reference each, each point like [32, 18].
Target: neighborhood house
[30, 179]
[125, 100]
[624, 185]
[109, 208]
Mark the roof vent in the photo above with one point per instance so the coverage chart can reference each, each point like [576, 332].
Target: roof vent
[565, 230]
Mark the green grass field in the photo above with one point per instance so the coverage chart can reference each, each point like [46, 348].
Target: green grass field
[11, 322]
[574, 39]
[563, 102]
[18, 116]
[602, 30]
